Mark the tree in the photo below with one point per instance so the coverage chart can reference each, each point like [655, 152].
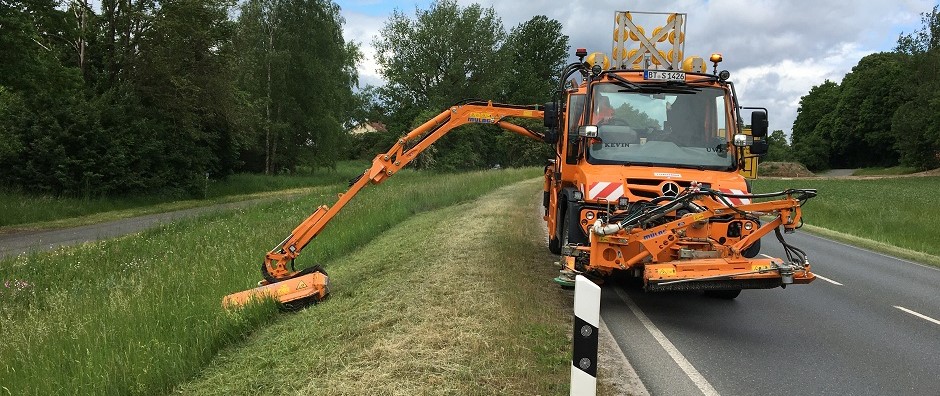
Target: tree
[532, 58]
[448, 53]
[183, 79]
[44, 119]
[779, 150]
[151, 96]
[811, 136]
[300, 73]
[916, 124]
[870, 94]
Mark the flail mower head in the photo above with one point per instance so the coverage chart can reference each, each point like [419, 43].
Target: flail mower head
[306, 287]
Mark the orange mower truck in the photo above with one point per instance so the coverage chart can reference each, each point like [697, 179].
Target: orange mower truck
[648, 178]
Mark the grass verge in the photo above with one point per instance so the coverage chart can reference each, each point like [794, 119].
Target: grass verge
[895, 216]
[455, 301]
[891, 171]
[27, 211]
[140, 314]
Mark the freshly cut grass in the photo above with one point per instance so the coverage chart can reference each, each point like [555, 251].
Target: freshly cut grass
[897, 211]
[18, 208]
[455, 301]
[140, 314]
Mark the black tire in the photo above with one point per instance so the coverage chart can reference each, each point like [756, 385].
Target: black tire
[554, 246]
[723, 294]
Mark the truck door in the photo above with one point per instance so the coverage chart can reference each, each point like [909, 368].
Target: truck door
[575, 110]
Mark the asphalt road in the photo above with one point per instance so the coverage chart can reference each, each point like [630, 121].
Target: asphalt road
[20, 242]
[857, 334]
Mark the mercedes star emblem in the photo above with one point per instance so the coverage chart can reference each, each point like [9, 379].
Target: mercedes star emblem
[670, 189]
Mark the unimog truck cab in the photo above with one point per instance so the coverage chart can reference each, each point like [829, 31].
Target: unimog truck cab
[649, 173]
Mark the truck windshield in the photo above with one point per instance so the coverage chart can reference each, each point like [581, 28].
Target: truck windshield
[683, 127]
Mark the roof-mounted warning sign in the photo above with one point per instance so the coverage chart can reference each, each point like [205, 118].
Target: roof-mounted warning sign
[628, 27]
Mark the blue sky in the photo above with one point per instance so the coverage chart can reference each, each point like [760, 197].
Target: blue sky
[776, 50]
[381, 8]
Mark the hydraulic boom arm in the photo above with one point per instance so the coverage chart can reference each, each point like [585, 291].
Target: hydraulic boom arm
[277, 268]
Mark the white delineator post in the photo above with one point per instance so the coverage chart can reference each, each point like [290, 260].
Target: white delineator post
[587, 313]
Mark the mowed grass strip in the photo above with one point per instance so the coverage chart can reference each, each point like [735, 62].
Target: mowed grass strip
[32, 211]
[140, 314]
[456, 301]
[901, 212]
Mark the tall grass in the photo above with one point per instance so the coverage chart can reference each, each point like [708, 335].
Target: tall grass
[897, 211]
[19, 207]
[455, 301]
[142, 313]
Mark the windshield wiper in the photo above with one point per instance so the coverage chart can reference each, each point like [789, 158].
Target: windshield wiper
[624, 82]
[670, 87]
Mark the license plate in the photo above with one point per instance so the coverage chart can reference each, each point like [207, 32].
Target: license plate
[664, 75]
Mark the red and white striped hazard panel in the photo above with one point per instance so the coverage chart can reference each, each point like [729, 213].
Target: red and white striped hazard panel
[606, 190]
[735, 201]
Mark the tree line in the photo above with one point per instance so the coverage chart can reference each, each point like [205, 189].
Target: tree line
[885, 112]
[144, 96]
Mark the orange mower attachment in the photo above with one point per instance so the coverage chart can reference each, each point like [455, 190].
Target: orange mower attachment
[294, 289]
[311, 285]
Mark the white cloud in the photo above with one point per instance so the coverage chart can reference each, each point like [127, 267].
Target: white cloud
[776, 50]
[779, 87]
[361, 29]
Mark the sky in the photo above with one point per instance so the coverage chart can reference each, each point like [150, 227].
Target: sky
[775, 50]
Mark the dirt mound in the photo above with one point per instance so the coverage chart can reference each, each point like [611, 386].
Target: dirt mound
[783, 169]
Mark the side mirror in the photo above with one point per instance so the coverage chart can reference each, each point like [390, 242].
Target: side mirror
[759, 124]
[588, 131]
[551, 115]
[550, 120]
[759, 147]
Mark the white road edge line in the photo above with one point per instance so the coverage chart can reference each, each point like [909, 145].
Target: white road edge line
[919, 315]
[684, 364]
[827, 279]
[817, 275]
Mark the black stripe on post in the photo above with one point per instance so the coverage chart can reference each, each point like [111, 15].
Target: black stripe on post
[585, 347]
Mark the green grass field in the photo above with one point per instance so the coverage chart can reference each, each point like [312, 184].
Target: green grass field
[141, 314]
[897, 211]
[20, 208]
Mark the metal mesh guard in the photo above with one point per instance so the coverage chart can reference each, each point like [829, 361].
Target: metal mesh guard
[722, 284]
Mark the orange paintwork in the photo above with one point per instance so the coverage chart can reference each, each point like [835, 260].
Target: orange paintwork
[310, 286]
[629, 250]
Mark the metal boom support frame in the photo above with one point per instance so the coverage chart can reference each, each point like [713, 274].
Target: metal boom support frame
[276, 262]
